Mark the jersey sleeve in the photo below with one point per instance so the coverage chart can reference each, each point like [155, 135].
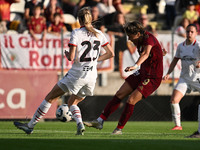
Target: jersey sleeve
[104, 40]
[177, 54]
[73, 40]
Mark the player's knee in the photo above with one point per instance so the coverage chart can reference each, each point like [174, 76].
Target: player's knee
[120, 94]
[131, 101]
[173, 101]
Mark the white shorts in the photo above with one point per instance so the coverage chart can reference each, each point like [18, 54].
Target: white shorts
[185, 85]
[79, 87]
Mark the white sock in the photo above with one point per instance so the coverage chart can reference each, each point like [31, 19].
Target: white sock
[176, 114]
[199, 118]
[40, 112]
[76, 113]
[100, 120]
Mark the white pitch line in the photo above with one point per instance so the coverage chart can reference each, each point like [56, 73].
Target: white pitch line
[100, 132]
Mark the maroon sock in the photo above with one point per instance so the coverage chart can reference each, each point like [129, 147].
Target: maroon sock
[110, 107]
[126, 114]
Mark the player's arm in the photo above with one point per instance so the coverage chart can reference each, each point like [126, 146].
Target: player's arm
[143, 56]
[171, 67]
[109, 53]
[44, 34]
[71, 54]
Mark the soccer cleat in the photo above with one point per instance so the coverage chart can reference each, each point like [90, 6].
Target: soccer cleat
[94, 124]
[177, 128]
[80, 129]
[24, 127]
[194, 135]
[117, 131]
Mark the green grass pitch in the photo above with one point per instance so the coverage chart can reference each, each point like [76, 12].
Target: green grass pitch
[136, 136]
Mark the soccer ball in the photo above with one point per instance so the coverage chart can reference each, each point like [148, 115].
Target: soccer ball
[63, 114]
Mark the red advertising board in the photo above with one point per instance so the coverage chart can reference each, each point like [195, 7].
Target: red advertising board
[21, 92]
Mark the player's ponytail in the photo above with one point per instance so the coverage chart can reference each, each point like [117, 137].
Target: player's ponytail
[85, 17]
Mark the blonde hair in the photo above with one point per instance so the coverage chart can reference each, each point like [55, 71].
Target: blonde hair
[85, 17]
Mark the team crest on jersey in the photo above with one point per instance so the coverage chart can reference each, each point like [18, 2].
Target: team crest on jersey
[145, 82]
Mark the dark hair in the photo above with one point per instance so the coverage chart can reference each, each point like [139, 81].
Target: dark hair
[37, 6]
[57, 14]
[192, 25]
[134, 27]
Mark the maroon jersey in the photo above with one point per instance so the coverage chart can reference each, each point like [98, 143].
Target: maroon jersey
[38, 25]
[152, 67]
[56, 28]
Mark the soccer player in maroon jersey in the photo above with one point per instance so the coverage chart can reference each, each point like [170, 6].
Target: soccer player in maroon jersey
[140, 84]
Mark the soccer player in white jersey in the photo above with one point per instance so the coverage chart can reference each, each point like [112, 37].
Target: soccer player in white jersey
[189, 54]
[85, 44]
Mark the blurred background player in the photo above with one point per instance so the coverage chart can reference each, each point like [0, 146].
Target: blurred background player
[181, 29]
[189, 54]
[85, 44]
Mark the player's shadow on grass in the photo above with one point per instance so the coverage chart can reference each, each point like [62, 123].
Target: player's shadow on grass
[101, 144]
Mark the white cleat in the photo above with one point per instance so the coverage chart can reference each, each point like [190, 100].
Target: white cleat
[94, 124]
[80, 129]
[117, 131]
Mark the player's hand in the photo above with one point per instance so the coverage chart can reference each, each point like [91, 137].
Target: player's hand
[198, 64]
[67, 54]
[129, 69]
[166, 77]
[164, 51]
[36, 39]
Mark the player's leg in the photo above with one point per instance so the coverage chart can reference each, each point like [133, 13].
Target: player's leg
[145, 88]
[199, 118]
[46, 104]
[197, 133]
[175, 108]
[76, 113]
[135, 97]
[128, 86]
[111, 106]
[178, 93]
[41, 110]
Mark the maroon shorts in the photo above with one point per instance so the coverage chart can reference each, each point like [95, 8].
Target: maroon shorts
[146, 86]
